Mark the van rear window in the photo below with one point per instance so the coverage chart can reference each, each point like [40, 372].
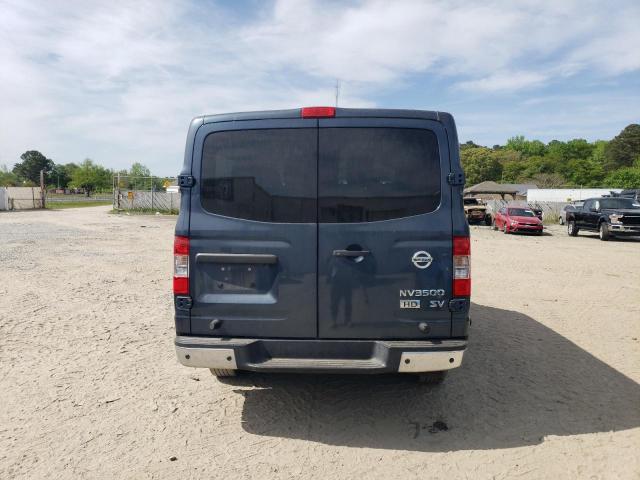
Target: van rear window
[265, 175]
[370, 174]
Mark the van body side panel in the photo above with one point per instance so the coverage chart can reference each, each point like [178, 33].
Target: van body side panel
[383, 294]
[253, 275]
[459, 319]
[183, 316]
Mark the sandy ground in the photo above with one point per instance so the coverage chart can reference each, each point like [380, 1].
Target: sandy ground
[90, 387]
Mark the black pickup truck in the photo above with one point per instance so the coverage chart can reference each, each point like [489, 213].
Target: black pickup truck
[609, 216]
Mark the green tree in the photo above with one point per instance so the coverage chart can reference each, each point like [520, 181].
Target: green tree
[623, 149]
[526, 147]
[469, 144]
[139, 170]
[91, 177]
[539, 164]
[584, 172]
[545, 180]
[32, 162]
[479, 165]
[578, 148]
[60, 175]
[598, 154]
[7, 178]
[626, 177]
[513, 172]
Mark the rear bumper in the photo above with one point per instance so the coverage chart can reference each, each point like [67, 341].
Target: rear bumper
[320, 356]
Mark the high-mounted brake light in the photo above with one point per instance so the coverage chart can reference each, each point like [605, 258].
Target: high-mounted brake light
[181, 266]
[317, 112]
[461, 267]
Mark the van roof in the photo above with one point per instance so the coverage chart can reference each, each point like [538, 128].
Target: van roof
[340, 112]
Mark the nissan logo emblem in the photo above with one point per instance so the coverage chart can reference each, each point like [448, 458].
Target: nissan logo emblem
[422, 259]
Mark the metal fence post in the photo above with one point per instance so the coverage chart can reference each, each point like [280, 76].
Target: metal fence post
[42, 189]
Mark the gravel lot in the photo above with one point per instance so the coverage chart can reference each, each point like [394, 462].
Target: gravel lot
[90, 387]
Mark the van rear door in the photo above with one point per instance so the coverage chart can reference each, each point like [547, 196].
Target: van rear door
[385, 229]
[253, 229]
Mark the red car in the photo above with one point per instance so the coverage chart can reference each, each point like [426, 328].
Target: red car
[517, 219]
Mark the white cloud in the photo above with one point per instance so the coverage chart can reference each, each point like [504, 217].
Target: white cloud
[504, 82]
[119, 81]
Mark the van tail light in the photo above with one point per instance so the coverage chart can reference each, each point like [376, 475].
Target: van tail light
[317, 112]
[181, 266]
[461, 267]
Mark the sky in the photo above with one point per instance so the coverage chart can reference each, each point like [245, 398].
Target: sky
[119, 82]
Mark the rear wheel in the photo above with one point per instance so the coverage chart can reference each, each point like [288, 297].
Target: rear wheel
[432, 378]
[493, 224]
[504, 228]
[223, 372]
[572, 229]
[604, 232]
[561, 220]
[487, 220]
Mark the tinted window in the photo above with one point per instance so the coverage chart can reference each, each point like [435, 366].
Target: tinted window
[521, 212]
[265, 175]
[621, 203]
[369, 174]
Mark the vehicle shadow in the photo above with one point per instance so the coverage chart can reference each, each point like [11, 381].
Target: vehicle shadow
[621, 239]
[520, 381]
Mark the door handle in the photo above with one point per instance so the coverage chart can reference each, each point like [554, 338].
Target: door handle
[350, 253]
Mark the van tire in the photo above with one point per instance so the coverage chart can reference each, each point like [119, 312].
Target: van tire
[572, 229]
[222, 372]
[432, 378]
[603, 231]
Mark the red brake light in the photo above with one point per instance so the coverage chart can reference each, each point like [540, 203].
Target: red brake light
[181, 245]
[181, 266]
[461, 246]
[461, 267]
[318, 112]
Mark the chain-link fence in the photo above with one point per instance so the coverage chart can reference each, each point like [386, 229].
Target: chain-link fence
[550, 210]
[146, 194]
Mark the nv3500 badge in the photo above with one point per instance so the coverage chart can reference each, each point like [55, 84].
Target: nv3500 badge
[298, 228]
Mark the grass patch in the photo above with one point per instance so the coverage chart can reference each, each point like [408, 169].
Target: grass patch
[60, 205]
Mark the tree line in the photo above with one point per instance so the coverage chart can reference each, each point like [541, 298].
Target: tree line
[576, 163]
[87, 176]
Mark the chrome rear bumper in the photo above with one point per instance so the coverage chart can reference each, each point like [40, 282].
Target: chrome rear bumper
[320, 356]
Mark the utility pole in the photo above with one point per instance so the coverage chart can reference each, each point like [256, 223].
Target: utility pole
[118, 193]
[42, 191]
[337, 91]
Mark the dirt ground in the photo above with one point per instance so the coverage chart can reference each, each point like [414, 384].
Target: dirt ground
[90, 387]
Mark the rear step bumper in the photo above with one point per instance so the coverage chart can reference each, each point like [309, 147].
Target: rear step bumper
[320, 356]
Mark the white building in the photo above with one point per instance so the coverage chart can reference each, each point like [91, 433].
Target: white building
[567, 194]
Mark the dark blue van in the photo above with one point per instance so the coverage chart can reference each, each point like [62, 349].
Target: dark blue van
[321, 239]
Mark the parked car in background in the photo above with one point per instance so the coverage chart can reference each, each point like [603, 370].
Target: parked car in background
[476, 211]
[537, 211]
[517, 219]
[611, 216]
[562, 218]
